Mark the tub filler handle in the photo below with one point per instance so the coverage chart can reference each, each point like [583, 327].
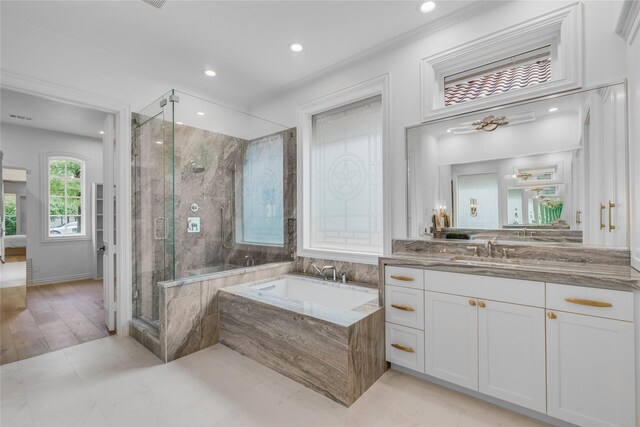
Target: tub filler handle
[403, 348]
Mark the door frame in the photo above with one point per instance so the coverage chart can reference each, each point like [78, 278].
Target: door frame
[122, 159]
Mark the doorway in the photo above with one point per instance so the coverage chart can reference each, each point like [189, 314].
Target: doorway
[66, 152]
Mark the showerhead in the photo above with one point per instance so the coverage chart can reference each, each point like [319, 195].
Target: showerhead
[195, 168]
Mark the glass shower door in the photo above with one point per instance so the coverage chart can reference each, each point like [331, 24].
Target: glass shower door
[153, 206]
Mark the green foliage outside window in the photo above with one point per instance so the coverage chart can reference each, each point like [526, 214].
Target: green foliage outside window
[65, 197]
[10, 214]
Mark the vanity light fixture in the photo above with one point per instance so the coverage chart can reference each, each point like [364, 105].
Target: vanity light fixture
[473, 206]
[296, 47]
[210, 73]
[553, 109]
[427, 6]
[200, 113]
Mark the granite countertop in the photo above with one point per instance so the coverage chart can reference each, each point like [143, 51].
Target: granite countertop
[605, 276]
[318, 311]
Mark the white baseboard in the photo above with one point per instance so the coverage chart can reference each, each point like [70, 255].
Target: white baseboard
[60, 279]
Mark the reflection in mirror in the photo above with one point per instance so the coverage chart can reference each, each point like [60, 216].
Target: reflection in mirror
[535, 171]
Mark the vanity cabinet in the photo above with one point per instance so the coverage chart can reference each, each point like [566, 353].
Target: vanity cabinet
[567, 351]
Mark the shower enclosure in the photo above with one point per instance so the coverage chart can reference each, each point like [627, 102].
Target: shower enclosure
[214, 190]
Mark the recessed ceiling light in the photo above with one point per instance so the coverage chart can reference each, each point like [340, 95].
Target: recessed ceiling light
[159, 142]
[427, 6]
[295, 47]
[553, 109]
[179, 123]
[200, 113]
[101, 132]
[210, 73]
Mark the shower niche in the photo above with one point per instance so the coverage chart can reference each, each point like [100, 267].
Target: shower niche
[214, 190]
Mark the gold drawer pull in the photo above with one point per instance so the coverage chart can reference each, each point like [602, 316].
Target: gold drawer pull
[611, 226]
[403, 348]
[588, 302]
[402, 278]
[602, 207]
[551, 315]
[402, 307]
[481, 304]
[472, 302]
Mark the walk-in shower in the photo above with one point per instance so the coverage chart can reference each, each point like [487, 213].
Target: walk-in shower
[209, 193]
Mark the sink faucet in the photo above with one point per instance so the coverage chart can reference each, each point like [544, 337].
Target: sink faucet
[489, 246]
[475, 249]
[249, 261]
[330, 268]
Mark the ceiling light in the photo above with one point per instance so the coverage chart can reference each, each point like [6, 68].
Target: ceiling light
[553, 109]
[179, 123]
[200, 113]
[159, 142]
[295, 47]
[210, 73]
[101, 132]
[427, 6]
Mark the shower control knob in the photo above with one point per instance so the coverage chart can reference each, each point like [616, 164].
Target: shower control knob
[194, 207]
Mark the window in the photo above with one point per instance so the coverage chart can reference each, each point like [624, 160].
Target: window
[517, 72]
[262, 192]
[345, 180]
[66, 197]
[10, 214]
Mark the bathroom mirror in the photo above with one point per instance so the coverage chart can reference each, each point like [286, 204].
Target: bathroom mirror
[552, 169]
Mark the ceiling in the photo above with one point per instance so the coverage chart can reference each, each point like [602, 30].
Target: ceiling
[245, 42]
[51, 115]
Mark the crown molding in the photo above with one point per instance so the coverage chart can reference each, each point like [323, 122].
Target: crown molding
[629, 21]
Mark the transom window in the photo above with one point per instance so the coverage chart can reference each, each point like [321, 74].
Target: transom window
[517, 72]
[346, 212]
[65, 195]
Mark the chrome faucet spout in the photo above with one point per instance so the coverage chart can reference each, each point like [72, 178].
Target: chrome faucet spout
[331, 268]
[319, 271]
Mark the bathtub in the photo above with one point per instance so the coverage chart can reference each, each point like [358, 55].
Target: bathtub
[327, 336]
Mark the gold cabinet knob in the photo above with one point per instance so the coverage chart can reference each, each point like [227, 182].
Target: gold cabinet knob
[551, 315]
[472, 302]
[481, 304]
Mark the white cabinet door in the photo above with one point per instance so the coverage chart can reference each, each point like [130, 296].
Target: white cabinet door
[590, 370]
[511, 353]
[451, 338]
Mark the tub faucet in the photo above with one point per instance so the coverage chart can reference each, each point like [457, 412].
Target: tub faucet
[319, 271]
[330, 268]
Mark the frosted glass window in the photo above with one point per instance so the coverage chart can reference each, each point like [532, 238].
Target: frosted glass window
[262, 191]
[483, 189]
[346, 178]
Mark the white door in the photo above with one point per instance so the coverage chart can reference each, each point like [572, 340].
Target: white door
[451, 338]
[109, 243]
[511, 353]
[590, 370]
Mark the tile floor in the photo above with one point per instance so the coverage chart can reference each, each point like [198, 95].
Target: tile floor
[115, 381]
[57, 316]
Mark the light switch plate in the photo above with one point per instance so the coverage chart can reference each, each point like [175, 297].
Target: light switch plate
[193, 224]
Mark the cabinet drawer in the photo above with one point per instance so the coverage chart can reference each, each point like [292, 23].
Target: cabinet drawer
[405, 347]
[592, 301]
[404, 306]
[524, 292]
[404, 276]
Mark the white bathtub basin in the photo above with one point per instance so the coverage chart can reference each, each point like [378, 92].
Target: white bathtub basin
[329, 294]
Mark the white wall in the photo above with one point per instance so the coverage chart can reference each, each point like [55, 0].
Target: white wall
[604, 61]
[22, 146]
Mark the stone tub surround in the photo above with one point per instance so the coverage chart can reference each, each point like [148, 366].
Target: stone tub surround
[189, 309]
[568, 253]
[338, 353]
[605, 276]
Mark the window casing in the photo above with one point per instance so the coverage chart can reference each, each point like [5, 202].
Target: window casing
[345, 179]
[65, 215]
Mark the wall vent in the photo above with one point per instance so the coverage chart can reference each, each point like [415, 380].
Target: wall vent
[29, 272]
[19, 117]
[155, 3]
